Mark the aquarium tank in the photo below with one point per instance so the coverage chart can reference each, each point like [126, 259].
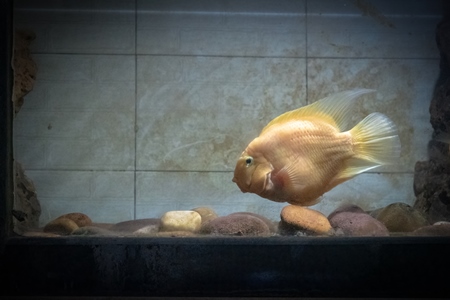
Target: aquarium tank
[227, 123]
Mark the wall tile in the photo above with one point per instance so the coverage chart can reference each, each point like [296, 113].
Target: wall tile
[113, 185]
[179, 124]
[54, 184]
[223, 28]
[35, 159]
[372, 29]
[79, 27]
[83, 113]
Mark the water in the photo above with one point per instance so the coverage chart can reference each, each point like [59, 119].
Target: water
[140, 108]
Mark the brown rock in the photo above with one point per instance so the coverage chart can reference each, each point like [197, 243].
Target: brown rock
[92, 230]
[443, 40]
[61, 226]
[27, 208]
[79, 218]
[299, 218]
[269, 223]
[348, 208]
[442, 229]
[357, 224]
[206, 213]
[432, 190]
[24, 67]
[440, 108]
[134, 225]
[236, 225]
[401, 217]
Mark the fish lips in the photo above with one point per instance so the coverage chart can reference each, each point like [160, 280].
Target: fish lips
[259, 180]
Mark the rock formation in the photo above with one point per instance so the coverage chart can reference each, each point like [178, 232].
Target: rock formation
[432, 177]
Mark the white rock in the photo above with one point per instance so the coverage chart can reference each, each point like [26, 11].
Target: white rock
[182, 220]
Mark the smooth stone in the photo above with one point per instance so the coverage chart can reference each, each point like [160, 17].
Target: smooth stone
[401, 217]
[181, 220]
[357, 224]
[269, 223]
[61, 226]
[103, 225]
[441, 223]
[441, 229]
[92, 230]
[79, 218]
[206, 213]
[236, 225]
[134, 225]
[348, 208]
[298, 218]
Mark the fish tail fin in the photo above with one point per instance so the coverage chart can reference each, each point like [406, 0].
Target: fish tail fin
[375, 143]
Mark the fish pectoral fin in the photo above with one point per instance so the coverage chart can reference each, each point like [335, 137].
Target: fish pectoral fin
[289, 180]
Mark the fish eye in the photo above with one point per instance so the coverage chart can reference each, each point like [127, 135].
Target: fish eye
[249, 161]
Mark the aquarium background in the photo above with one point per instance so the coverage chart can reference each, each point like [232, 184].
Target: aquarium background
[141, 107]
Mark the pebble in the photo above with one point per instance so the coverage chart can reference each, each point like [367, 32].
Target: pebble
[62, 226]
[206, 213]
[134, 225]
[147, 230]
[236, 225]
[352, 223]
[401, 217]
[298, 218]
[181, 220]
[39, 234]
[79, 218]
[175, 234]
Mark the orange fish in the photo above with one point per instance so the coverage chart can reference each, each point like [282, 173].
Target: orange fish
[304, 153]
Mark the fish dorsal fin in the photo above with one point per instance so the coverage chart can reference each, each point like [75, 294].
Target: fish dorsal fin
[334, 109]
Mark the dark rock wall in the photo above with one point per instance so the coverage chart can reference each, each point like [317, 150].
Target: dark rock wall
[432, 177]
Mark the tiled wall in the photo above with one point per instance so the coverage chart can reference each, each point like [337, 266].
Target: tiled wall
[144, 106]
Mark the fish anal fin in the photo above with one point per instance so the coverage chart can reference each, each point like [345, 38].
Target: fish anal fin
[355, 166]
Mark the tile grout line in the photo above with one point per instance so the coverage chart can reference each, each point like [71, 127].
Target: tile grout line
[306, 49]
[135, 111]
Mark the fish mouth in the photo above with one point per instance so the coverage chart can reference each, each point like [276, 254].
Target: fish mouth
[261, 180]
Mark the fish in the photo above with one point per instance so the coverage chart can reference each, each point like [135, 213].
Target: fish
[306, 152]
